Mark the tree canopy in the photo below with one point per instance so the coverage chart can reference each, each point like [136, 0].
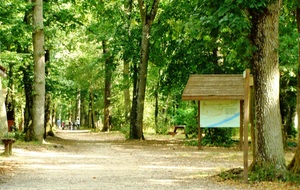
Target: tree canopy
[98, 55]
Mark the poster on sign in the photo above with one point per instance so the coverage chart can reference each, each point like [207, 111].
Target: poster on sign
[219, 113]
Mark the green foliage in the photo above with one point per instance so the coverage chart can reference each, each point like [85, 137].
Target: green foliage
[232, 174]
[218, 137]
[188, 117]
[267, 173]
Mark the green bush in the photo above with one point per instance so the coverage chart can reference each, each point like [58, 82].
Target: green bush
[187, 117]
[218, 137]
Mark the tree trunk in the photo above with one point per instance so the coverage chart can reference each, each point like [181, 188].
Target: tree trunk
[133, 113]
[156, 106]
[107, 89]
[126, 91]
[27, 81]
[78, 102]
[47, 126]
[3, 118]
[269, 145]
[294, 165]
[38, 106]
[126, 76]
[147, 20]
[91, 110]
[83, 110]
[28, 103]
[142, 78]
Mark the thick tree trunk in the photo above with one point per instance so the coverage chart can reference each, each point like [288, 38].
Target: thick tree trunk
[142, 78]
[107, 88]
[147, 20]
[39, 71]
[269, 145]
[294, 165]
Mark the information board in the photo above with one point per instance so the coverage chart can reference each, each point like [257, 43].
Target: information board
[219, 113]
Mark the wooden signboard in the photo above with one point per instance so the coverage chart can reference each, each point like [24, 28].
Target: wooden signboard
[222, 88]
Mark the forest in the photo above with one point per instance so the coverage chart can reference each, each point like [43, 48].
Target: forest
[123, 64]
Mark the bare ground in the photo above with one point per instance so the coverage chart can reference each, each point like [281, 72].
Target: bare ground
[84, 160]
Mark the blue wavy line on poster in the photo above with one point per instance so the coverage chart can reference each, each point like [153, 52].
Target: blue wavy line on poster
[224, 121]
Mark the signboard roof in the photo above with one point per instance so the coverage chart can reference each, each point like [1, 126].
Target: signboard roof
[215, 87]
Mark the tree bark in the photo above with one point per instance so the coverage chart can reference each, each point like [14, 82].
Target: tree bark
[127, 52]
[47, 127]
[269, 146]
[91, 109]
[147, 20]
[294, 165]
[107, 88]
[39, 71]
[83, 112]
[78, 104]
[27, 81]
[3, 119]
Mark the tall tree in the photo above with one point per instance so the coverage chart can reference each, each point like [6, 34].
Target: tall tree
[39, 71]
[107, 85]
[294, 165]
[127, 52]
[264, 34]
[147, 12]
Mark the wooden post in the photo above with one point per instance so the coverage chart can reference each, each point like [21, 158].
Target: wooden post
[241, 124]
[199, 128]
[246, 121]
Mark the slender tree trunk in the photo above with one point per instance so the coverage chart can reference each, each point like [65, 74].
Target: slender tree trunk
[47, 127]
[27, 81]
[133, 113]
[269, 145]
[28, 103]
[78, 102]
[3, 118]
[126, 92]
[83, 110]
[91, 110]
[147, 20]
[156, 107]
[107, 89]
[294, 165]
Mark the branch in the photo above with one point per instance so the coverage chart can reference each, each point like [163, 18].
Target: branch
[143, 10]
[154, 9]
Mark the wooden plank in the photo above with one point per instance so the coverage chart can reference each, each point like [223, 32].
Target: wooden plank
[199, 128]
[246, 122]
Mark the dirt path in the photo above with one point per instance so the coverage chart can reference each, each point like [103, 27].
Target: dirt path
[107, 161]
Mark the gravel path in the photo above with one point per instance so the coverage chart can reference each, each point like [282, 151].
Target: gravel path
[107, 161]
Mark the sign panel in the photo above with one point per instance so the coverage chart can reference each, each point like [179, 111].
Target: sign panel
[220, 113]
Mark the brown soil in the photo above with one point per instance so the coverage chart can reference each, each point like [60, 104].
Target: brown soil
[84, 160]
